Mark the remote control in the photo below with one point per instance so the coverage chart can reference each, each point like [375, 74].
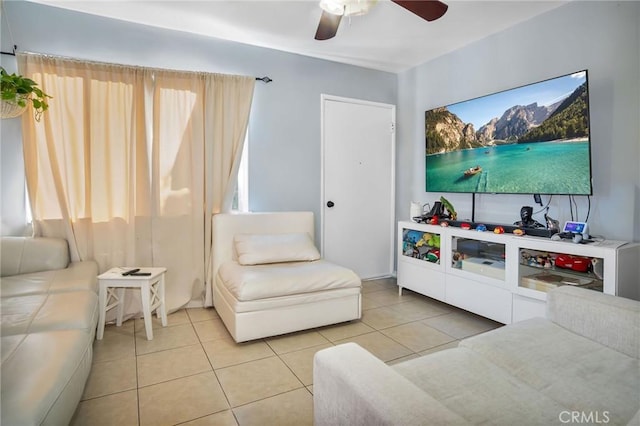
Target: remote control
[131, 272]
[140, 274]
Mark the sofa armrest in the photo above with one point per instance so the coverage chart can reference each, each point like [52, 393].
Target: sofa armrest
[352, 387]
[24, 255]
[609, 320]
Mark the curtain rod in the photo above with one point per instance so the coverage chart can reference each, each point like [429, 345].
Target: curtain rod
[264, 79]
[15, 47]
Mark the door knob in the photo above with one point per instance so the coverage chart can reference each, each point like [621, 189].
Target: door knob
[330, 204]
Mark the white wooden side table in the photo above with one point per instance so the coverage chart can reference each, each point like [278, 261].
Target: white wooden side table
[112, 285]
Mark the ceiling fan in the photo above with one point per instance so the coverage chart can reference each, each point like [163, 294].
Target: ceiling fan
[334, 10]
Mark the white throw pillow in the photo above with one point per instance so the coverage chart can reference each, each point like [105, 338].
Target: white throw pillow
[257, 249]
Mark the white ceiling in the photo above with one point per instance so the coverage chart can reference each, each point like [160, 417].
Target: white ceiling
[388, 38]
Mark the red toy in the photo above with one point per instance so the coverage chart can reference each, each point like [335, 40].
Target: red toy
[465, 225]
[576, 263]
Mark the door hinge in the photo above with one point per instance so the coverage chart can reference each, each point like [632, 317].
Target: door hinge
[393, 127]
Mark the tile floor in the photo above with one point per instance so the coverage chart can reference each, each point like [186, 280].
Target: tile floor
[193, 373]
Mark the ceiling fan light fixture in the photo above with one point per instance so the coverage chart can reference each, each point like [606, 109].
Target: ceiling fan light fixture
[347, 7]
[333, 7]
[334, 10]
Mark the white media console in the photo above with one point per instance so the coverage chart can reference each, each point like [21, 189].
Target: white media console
[505, 277]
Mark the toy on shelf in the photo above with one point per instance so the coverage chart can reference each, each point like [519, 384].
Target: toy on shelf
[575, 263]
[451, 211]
[421, 245]
[537, 259]
[456, 259]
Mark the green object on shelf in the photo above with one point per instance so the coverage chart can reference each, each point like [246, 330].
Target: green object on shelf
[447, 205]
[432, 257]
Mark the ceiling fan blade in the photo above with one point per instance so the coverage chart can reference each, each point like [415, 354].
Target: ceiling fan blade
[426, 9]
[328, 26]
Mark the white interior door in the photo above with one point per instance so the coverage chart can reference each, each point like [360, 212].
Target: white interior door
[358, 185]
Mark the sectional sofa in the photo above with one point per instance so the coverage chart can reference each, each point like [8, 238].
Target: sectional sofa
[49, 312]
[579, 365]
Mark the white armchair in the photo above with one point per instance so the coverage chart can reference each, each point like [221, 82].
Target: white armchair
[269, 278]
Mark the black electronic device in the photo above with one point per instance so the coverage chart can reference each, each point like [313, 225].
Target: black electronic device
[535, 232]
[140, 274]
[575, 238]
[537, 199]
[130, 272]
[533, 139]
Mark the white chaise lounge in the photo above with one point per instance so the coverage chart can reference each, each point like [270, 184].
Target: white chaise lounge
[270, 280]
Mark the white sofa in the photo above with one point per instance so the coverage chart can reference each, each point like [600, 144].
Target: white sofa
[49, 312]
[579, 365]
[286, 287]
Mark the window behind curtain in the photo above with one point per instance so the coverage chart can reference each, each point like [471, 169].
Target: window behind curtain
[241, 196]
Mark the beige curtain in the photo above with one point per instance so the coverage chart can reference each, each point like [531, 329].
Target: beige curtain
[129, 163]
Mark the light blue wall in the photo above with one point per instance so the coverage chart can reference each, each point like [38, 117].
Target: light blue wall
[12, 189]
[603, 37]
[284, 148]
[285, 126]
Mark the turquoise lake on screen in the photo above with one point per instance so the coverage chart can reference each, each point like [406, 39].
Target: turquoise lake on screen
[557, 167]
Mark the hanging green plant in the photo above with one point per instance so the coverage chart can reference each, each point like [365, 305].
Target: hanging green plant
[17, 92]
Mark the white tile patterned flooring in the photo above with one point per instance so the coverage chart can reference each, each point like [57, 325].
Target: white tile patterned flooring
[193, 373]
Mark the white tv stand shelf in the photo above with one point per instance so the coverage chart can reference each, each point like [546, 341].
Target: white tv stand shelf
[505, 277]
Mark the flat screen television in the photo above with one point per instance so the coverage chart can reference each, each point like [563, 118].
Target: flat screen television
[532, 139]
